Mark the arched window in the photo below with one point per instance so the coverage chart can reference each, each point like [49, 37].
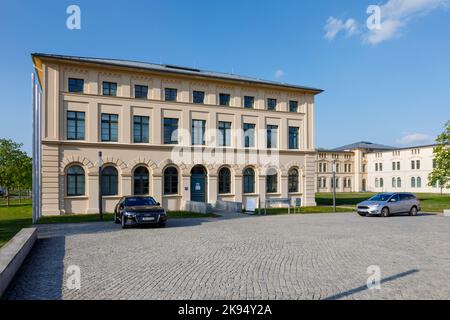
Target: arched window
[224, 181]
[75, 181]
[376, 183]
[110, 181]
[293, 180]
[393, 183]
[381, 182]
[249, 180]
[399, 182]
[272, 181]
[419, 182]
[413, 182]
[170, 181]
[141, 181]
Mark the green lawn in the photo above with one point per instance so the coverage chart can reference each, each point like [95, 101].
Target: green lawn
[13, 219]
[430, 202]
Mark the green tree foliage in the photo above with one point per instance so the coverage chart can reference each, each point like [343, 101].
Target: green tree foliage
[15, 167]
[441, 170]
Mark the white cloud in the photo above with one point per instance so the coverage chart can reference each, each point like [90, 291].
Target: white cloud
[395, 16]
[334, 26]
[279, 73]
[411, 139]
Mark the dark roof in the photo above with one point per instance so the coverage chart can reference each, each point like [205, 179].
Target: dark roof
[166, 68]
[364, 145]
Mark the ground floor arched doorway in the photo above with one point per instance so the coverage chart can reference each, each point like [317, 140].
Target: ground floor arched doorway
[364, 185]
[198, 184]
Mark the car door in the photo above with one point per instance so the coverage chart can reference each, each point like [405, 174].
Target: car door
[405, 203]
[395, 204]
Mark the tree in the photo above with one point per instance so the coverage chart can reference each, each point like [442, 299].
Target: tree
[15, 167]
[441, 164]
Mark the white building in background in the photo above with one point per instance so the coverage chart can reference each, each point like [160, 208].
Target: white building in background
[404, 169]
[366, 166]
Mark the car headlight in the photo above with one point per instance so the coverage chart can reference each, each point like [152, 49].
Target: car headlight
[130, 214]
[375, 206]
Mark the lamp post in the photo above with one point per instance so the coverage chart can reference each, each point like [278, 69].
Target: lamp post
[334, 186]
[100, 200]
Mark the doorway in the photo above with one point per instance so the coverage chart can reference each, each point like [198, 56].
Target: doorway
[198, 184]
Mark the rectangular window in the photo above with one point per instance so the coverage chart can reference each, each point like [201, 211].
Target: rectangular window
[224, 99]
[198, 132]
[110, 124]
[141, 129]
[272, 183]
[170, 94]
[140, 92]
[75, 125]
[293, 106]
[376, 166]
[413, 164]
[224, 134]
[398, 165]
[393, 166]
[381, 167]
[418, 164]
[293, 138]
[249, 102]
[198, 97]
[249, 135]
[76, 85]
[170, 131]
[109, 88]
[271, 104]
[272, 136]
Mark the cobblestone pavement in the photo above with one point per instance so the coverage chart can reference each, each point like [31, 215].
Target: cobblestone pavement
[276, 257]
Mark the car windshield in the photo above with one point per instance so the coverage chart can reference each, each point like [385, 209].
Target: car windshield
[381, 197]
[140, 201]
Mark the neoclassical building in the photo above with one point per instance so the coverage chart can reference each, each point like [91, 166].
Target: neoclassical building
[370, 167]
[178, 134]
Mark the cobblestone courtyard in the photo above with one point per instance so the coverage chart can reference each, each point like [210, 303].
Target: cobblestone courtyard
[277, 257]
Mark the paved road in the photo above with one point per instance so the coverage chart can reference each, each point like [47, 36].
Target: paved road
[278, 257]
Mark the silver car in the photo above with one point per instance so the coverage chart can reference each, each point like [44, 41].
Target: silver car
[385, 204]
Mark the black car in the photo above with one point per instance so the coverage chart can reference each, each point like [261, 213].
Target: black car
[139, 210]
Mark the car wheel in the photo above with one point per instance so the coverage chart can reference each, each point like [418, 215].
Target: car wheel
[385, 212]
[124, 226]
[413, 212]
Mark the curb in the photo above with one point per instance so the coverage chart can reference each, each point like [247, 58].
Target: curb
[13, 253]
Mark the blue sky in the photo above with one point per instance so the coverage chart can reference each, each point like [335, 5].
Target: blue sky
[389, 86]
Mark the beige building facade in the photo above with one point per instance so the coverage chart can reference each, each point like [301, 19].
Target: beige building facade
[177, 134]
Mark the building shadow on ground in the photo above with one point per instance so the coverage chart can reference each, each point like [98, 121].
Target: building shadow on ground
[31, 283]
[363, 288]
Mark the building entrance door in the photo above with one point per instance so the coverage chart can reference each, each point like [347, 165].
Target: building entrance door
[198, 184]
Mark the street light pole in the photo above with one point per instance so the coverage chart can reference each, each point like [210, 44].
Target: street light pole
[100, 200]
[334, 186]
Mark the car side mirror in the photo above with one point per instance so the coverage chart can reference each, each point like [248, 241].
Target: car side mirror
[158, 204]
[121, 207]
